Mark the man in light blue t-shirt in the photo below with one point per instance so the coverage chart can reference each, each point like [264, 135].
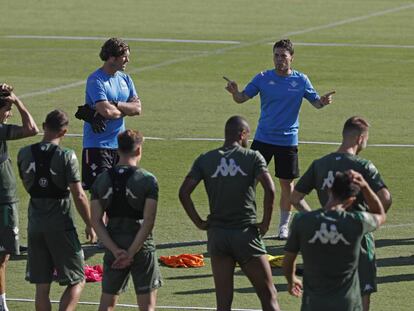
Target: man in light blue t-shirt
[281, 92]
[111, 95]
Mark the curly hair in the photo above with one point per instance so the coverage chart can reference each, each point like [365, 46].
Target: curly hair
[113, 47]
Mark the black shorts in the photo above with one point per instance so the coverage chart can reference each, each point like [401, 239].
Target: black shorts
[286, 158]
[9, 231]
[94, 162]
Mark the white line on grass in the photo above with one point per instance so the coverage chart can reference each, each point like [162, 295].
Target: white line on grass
[357, 45]
[353, 19]
[221, 139]
[131, 305]
[233, 47]
[126, 39]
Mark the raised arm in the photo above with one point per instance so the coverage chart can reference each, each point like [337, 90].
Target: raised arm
[82, 206]
[269, 196]
[233, 89]
[184, 194]
[375, 206]
[323, 100]
[29, 127]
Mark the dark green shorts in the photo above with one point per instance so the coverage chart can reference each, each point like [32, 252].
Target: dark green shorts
[144, 270]
[240, 244]
[367, 268]
[9, 229]
[60, 250]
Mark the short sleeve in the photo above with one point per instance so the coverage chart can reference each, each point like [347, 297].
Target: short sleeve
[307, 182]
[260, 165]
[153, 188]
[73, 172]
[369, 222]
[98, 186]
[373, 177]
[252, 89]
[310, 93]
[6, 131]
[196, 172]
[96, 90]
[293, 241]
[131, 86]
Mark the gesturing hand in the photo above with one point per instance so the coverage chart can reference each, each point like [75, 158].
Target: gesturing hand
[327, 98]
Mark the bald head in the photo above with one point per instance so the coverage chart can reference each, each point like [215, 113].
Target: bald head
[234, 129]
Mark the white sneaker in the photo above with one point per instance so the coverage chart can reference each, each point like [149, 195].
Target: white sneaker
[283, 232]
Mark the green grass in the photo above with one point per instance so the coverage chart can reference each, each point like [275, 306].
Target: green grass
[183, 96]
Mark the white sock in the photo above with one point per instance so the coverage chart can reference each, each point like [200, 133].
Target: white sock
[284, 218]
[3, 305]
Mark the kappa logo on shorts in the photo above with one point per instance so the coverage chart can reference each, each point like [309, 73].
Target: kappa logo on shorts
[326, 236]
[368, 287]
[225, 169]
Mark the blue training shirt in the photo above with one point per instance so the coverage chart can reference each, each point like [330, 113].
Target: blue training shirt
[281, 98]
[101, 86]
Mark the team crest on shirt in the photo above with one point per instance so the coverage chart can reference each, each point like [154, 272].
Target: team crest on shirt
[229, 168]
[271, 82]
[293, 83]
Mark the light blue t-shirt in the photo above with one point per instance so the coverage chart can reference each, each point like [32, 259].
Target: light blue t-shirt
[101, 86]
[281, 98]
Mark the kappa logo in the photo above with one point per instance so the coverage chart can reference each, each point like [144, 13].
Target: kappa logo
[226, 169]
[271, 82]
[328, 181]
[331, 236]
[293, 84]
[367, 288]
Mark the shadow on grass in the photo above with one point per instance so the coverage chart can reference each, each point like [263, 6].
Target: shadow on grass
[190, 277]
[91, 250]
[396, 261]
[243, 290]
[395, 278]
[393, 242]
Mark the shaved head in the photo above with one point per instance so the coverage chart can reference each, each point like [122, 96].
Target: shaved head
[235, 127]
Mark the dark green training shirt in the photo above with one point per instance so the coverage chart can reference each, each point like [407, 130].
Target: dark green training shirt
[8, 192]
[140, 186]
[321, 174]
[47, 214]
[229, 176]
[330, 243]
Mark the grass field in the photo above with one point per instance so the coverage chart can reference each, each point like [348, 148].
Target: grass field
[362, 49]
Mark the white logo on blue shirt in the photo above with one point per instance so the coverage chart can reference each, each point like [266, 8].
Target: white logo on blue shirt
[293, 84]
[228, 169]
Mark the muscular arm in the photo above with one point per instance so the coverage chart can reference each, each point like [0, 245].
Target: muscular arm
[184, 194]
[97, 223]
[269, 196]
[233, 89]
[298, 201]
[150, 211]
[131, 108]
[109, 111]
[29, 127]
[82, 206]
[385, 197]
